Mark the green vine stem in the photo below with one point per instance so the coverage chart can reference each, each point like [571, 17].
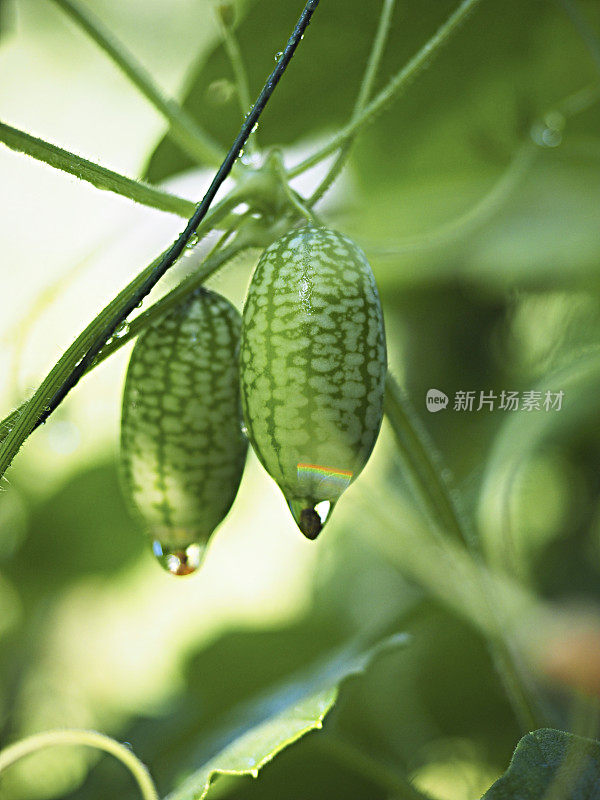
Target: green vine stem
[474, 217]
[100, 177]
[364, 93]
[78, 348]
[171, 299]
[428, 477]
[99, 741]
[393, 88]
[17, 426]
[183, 129]
[238, 68]
[83, 353]
[429, 480]
[358, 761]
[583, 28]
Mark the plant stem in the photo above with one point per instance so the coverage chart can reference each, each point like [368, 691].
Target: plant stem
[170, 300]
[84, 351]
[374, 770]
[428, 479]
[56, 376]
[363, 95]
[583, 28]
[240, 74]
[170, 256]
[475, 216]
[183, 129]
[30, 415]
[393, 88]
[100, 177]
[39, 741]
[422, 463]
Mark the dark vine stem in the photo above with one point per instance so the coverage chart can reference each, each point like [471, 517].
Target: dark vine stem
[171, 255]
[32, 417]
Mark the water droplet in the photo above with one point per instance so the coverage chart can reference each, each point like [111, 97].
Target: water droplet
[278, 55]
[550, 132]
[254, 773]
[179, 560]
[310, 517]
[241, 153]
[121, 330]
[128, 745]
[220, 92]
[244, 429]
[252, 159]
[193, 241]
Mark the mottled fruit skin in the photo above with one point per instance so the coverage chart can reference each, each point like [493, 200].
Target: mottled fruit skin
[182, 449]
[313, 364]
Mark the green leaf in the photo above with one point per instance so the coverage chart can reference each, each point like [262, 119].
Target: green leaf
[550, 763]
[257, 732]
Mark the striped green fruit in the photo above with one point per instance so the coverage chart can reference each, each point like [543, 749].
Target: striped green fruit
[313, 364]
[182, 448]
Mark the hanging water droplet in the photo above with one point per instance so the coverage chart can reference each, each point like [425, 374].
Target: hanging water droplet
[121, 330]
[193, 241]
[549, 133]
[244, 429]
[241, 153]
[251, 159]
[179, 560]
[278, 55]
[254, 773]
[310, 517]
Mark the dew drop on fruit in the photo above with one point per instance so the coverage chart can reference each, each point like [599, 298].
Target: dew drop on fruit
[178, 561]
[310, 518]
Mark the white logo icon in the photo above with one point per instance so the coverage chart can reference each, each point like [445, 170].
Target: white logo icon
[436, 400]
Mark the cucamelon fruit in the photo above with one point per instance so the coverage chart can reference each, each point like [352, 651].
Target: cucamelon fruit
[182, 448]
[313, 364]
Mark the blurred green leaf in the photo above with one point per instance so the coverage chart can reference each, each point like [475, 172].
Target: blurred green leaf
[551, 763]
[84, 527]
[257, 732]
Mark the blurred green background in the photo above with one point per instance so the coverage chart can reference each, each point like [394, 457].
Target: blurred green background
[492, 295]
